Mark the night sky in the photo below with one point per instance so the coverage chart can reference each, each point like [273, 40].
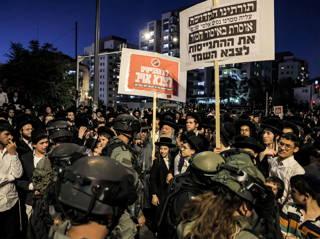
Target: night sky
[297, 23]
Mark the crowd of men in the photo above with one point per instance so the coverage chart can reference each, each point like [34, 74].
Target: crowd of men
[83, 173]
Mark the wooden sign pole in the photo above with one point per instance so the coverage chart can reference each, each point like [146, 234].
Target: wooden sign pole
[154, 119]
[217, 94]
[217, 102]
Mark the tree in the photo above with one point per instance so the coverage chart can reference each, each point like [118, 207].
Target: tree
[40, 72]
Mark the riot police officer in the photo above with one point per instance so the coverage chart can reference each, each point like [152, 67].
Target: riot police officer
[119, 149]
[94, 193]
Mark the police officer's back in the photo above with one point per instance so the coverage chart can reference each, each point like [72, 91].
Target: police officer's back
[94, 193]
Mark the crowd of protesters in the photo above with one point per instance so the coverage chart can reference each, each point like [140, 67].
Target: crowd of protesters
[281, 155]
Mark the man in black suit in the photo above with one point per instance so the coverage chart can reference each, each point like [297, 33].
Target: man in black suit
[29, 161]
[160, 169]
[24, 130]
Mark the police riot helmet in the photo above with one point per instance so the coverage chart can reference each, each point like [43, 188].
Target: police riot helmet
[241, 176]
[125, 123]
[206, 163]
[59, 131]
[95, 188]
[65, 154]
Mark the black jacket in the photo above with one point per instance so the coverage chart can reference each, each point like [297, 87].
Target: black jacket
[158, 177]
[23, 183]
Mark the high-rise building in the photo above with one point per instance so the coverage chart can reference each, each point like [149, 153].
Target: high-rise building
[150, 37]
[109, 67]
[170, 31]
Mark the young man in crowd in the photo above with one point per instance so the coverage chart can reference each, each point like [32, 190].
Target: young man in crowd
[10, 170]
[301, 219]
[40, 142]
[192, 123]
[284, 165]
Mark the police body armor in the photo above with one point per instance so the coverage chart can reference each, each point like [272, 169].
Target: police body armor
[116, 143]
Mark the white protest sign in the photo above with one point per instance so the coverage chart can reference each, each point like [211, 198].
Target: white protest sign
[235, 31]
[278, 110]
[144, 73]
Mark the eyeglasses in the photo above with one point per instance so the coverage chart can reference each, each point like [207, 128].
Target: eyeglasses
[286, 146]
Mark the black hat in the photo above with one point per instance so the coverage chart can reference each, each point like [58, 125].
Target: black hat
[5, 126]
[198, 142]
[168, 119]
[23, 120]
[37, 135]
[248, 142]
[291, 125]
[273, 124]
[246, 122]
[209, 123]
[165, 141]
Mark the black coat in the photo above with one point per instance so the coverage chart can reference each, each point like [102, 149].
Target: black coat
[23, 183]
[22, 148]
[158, 177]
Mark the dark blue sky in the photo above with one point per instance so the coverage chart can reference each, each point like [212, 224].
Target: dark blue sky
[297, 23]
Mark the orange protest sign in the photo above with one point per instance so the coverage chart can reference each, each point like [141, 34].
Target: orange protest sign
[153, 74]
[145, 73]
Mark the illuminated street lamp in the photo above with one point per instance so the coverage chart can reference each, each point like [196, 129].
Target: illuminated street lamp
[175, 39]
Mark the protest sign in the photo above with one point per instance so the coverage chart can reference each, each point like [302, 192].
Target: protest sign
[234, 31]
[145, 73]
[278, 110]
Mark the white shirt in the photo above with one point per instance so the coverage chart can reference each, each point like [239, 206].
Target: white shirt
[36, 159]
[285, 169]
[10, 169]
[176, 165]
[166, 161]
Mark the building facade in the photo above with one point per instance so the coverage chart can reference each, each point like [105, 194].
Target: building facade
[109, 67]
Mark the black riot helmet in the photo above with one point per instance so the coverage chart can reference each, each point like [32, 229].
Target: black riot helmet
[65, 154]
[59, 131]
[96, 189]
[127, 124]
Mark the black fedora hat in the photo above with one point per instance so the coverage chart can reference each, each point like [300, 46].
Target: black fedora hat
[291, 125]
[198, 142]
[168, 119]
[242, 122]
[248, 142]
[165, 141]
[273, 124]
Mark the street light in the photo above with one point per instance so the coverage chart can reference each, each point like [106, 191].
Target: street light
[175, 39]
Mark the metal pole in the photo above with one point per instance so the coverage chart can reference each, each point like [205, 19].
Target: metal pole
[76, 40]
[77, 62]
[77, 82]
[96, 56]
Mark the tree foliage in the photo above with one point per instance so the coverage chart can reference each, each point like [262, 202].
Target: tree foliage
[40, 72]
